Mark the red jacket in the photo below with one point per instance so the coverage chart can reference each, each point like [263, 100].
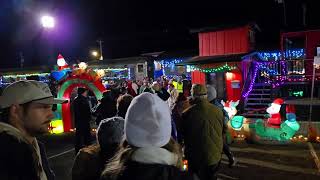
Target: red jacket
[275, 119]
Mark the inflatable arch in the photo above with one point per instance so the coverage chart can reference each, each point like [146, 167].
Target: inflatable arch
[63, 120]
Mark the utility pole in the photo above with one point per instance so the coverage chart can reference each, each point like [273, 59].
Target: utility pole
[100, 44]
[304, 14]
[284, 11]
[21, 60]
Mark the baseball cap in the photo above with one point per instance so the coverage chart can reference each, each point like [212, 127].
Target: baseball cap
[198, 90]
[21, 92]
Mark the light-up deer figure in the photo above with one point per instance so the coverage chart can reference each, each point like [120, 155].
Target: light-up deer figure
[237, 125]
[230, 108]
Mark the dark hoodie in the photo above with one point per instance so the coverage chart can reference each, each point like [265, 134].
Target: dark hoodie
[18, 159]
[106, 109]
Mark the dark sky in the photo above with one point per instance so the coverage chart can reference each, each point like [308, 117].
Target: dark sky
[129, 28]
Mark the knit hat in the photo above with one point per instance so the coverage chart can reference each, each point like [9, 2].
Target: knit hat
[81, 90]
[110, 131]
[198, 90]
[148, 121]
[212, 93]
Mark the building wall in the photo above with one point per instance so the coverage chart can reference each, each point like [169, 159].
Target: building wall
[312, 41]
[230, 41]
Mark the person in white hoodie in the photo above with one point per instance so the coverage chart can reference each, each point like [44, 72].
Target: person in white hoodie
[173, 95]
[148, 151]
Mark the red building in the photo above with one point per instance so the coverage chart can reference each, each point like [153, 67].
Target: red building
[220, 55]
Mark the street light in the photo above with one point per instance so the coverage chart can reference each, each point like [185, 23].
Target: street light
[94, 53]
[100, 44]
[47, 22]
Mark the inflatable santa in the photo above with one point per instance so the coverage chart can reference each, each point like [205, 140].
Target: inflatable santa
[62, 64]
[275, 118]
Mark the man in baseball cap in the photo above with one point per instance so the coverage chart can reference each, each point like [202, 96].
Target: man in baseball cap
[202, 131]
[26, 111]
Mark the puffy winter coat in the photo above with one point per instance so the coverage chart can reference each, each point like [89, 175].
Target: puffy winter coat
[150, 164]
[139, 171]
[202, 126]
[88, 164]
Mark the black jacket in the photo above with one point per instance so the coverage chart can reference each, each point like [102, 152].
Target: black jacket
[81, 112]
[163, 94]
[140, 171]
[18, 159]
[106, 109]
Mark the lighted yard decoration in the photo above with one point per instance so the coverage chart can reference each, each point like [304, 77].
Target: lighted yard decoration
[230, 108]
[68, 80]
[271, 128]
[237, 125]
[273, 131]
[275, 118]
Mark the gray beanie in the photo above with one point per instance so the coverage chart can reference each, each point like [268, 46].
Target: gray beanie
[110, 131]
[212, 93]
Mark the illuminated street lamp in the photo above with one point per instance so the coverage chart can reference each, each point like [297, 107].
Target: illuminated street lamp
[47, 22]
[94, 53]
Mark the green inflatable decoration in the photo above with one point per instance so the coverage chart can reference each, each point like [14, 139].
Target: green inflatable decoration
[285, 132]
[237, 122]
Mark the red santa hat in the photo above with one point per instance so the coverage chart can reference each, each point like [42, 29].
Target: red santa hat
[278, 101]
[61, 61]
[227, 104]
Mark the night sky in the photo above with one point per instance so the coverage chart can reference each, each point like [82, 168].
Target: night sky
[129, 27]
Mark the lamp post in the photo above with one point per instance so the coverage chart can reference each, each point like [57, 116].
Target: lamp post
[100, 44]
[47, 22]
[94, 53]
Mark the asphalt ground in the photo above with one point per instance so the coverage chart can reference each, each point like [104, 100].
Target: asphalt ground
[254, 161]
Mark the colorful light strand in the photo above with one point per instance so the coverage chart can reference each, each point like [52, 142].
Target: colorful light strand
[256, 68]
[222, 68]
[274, 83]
[25, 75]
[170, 62]
[276, 55]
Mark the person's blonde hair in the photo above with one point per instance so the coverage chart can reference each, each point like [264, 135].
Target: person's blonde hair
[118, 163]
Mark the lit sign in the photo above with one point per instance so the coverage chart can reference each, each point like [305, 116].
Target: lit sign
[296, 93]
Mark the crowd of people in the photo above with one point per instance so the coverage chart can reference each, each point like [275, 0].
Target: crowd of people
[145, 131]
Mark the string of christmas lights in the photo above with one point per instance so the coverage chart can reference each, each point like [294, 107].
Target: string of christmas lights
[26, 75]
[289, 54]
[256, 68]
[170, 62]
[222, 68]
